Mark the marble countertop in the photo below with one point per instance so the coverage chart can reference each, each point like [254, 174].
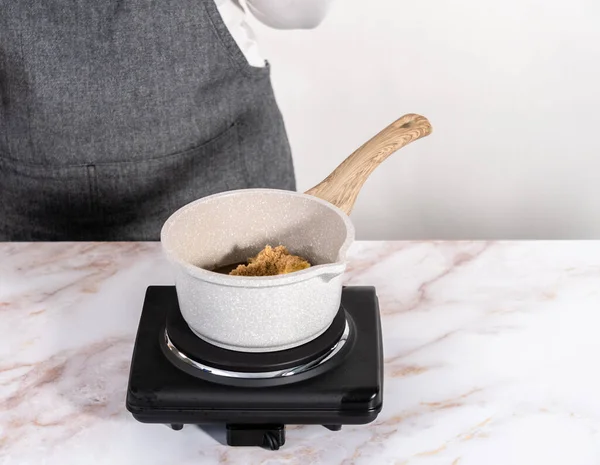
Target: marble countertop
[491, 357]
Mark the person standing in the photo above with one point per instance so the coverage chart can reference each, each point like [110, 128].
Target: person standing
[114, 114]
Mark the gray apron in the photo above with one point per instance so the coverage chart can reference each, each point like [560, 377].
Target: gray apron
[113, 114]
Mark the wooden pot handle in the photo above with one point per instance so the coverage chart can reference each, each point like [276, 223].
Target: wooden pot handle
[342, 186]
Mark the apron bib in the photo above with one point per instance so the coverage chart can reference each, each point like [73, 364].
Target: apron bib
[115, 114]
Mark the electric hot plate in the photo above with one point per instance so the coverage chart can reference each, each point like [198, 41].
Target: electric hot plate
[176, 378]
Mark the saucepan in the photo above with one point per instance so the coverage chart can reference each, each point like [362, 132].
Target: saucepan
[273, 313]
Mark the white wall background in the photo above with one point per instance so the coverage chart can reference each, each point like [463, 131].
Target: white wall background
[511, 88]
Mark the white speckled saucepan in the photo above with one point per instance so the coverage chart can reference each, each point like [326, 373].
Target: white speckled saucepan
[271, 313]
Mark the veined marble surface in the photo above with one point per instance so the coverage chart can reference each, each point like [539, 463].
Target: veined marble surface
[492, 356]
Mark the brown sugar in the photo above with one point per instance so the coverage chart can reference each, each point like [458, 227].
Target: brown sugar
[270, 262]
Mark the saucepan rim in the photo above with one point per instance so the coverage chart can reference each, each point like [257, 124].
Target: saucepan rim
[329, 269]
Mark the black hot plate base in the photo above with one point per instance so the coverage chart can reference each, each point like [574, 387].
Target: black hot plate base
[350, 392]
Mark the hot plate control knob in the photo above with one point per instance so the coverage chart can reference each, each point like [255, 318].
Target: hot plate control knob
[333, 427]
[271, 436]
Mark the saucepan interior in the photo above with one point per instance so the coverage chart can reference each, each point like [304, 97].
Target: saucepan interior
[230, 227]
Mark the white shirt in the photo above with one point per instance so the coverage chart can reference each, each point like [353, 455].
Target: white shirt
[278, 14]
